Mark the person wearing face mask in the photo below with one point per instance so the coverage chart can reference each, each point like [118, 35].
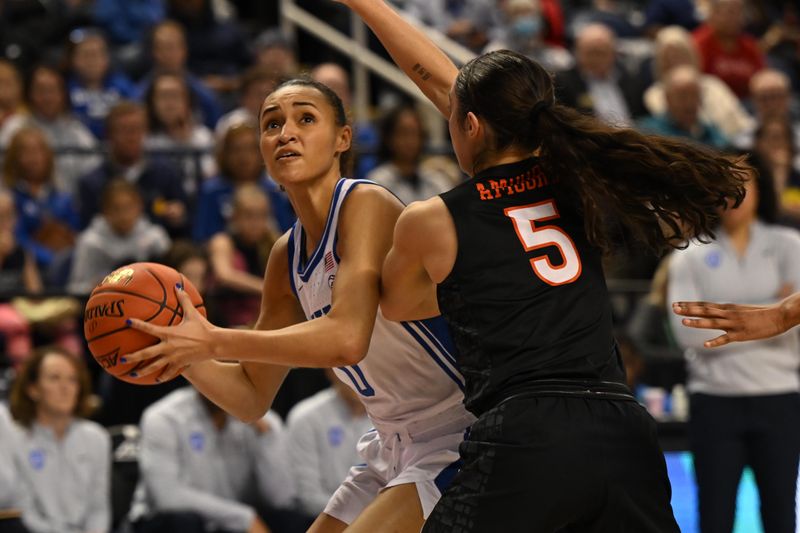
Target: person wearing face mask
[524, 31]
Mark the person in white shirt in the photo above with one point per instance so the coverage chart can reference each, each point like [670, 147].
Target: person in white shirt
[322, 433]
[64, 460]
[202, 470]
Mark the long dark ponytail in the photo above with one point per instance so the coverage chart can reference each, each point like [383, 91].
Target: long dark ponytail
[664, 190]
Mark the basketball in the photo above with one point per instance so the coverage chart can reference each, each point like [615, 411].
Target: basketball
[146, 291]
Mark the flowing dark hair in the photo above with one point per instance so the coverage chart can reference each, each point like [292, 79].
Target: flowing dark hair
[336, 104]
[664, 190]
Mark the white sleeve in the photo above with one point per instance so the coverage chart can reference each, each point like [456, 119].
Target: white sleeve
[682, 285]
[272, 471]
[99, 519]
[305, 460]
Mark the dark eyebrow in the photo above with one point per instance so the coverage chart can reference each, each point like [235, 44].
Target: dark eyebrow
[295, 104]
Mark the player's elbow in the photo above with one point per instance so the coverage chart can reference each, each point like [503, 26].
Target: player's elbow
[352, 348]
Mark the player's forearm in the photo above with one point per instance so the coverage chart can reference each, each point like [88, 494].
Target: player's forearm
[790, 311]
[422, 61]
[228, 386]
[325, 342]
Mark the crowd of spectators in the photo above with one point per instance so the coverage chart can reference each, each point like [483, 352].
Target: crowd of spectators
[128, 132]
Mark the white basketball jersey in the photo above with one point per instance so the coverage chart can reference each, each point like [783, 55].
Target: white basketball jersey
[410, 371]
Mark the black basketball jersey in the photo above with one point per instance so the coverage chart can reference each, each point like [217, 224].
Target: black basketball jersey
[526, 299]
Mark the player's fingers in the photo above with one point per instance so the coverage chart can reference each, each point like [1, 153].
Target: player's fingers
[171, 371]
[147, 327]
[185, 301]
[155, 366]
[142, 355]
[718, 341]
[701, 309]
[706, 323]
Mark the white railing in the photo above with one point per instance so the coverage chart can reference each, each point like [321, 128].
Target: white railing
[366, 61]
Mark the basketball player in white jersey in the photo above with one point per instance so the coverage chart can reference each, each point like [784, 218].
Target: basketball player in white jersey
[320, 309]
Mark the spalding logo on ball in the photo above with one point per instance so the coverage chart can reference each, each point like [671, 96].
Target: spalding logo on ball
[146, 291]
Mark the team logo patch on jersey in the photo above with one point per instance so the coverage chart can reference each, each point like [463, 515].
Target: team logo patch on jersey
[197, 441]
[335, 436]
[714, 259]
[329, 263]
[36, 459]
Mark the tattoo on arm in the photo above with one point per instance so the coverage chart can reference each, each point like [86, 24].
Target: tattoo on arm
[422, 71]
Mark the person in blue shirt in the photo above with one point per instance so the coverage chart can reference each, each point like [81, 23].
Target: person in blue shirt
[127, 22]
[92, 84]
[239, 161]
[47, 220]
[682, 119]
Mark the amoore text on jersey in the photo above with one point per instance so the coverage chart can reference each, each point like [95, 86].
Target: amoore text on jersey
[497, 188]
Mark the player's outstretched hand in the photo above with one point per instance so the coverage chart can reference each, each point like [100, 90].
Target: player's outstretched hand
[740, 322]
[181, 345]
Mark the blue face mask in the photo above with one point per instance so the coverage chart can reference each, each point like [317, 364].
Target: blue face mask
[527, 26]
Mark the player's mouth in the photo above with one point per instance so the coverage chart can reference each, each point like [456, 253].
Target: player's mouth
[287, 155]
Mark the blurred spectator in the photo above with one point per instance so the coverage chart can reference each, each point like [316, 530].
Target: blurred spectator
[126, 23]
[771, 95]
[240, 162]
[610, 14]
[218, 49]
[239, 256]
[465, 21]
[660, 13]
[719, 106]
[254, 87]
[173, 129]
[169, 50]
[65, 460]
[118, 236]
[365, 137]
[322, 433]
[12, 109]
[682, 91]
[161, 184]
[523, 30]
[191, 261]
[47, 221]
[597, 85]
[400, 153]
[202, 470]
[775, 150]
[9, 477]
[745, 406]
[18, 270]
[777, 23]
[48, 105]
[276, 53]
[725, 50]
[94, 87]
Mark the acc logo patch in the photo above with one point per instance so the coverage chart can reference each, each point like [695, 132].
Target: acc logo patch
[36, 459]
[122, 276]
[714, 259]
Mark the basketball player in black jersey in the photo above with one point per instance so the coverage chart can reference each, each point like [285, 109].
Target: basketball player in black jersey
[511, 259]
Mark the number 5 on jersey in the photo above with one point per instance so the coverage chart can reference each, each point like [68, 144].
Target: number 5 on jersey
[527, 223]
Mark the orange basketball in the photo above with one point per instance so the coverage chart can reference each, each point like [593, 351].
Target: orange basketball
[146, 291]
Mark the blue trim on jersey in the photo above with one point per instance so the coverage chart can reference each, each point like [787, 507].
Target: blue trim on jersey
[355, 184]
[316, 257]
[438, 333]
[445, 477]
[367, 389]
[290, 246]
[433, 355]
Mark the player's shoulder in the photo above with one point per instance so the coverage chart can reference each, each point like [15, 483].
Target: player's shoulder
[423, 216]
[370, 193]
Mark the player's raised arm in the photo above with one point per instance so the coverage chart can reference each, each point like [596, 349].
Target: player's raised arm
[740, 322]
[422, 61]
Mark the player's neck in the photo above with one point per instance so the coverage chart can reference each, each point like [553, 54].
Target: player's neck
[311, 202]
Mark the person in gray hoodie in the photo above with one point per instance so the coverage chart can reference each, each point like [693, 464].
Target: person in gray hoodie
[120, 234]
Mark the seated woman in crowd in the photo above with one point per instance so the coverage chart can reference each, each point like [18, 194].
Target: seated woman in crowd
[775, 154]
[239, 161]
[64, 460]
[94, 87]
[402, 171]
[719, 106]
[239, 256]
[48, 220]
[171, 117]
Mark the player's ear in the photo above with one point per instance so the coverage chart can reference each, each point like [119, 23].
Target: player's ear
[473, 125]
[344, 139]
